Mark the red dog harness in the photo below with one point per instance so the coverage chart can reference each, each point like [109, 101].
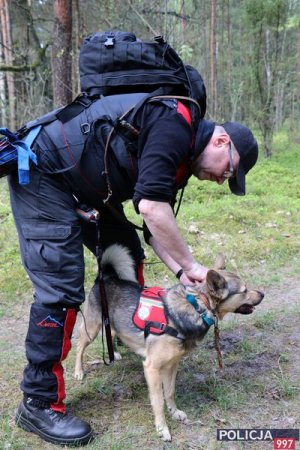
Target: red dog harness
[150, 308]
[150, 316]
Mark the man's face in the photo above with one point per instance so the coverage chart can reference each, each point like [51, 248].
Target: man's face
[213, 164]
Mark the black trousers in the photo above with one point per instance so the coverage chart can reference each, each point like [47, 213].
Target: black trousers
[51, 237]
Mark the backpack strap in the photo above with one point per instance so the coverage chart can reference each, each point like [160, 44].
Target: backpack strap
[63, 114]
[21, 151]
[72, 110]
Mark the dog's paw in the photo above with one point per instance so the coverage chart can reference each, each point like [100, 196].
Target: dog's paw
[164, 433]
[179, 415]
[78, 375]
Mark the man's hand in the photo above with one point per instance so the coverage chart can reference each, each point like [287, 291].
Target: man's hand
[196, 273]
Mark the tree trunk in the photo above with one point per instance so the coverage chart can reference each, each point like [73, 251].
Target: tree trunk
[61, 52]
[213, 90]
[298, 71]
[8, 59]
[77, 38]
[2, 90]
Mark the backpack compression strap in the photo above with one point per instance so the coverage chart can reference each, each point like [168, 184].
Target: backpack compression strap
[20, 150]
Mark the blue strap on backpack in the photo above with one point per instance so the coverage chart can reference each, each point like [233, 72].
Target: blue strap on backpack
[16, 150]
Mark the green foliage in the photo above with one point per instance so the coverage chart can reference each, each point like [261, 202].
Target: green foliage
[270, 12]
[186, 52]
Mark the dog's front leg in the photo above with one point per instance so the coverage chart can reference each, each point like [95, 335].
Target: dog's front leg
[169, 380]
[154, 381]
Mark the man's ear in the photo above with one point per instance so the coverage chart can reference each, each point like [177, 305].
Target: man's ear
[221, 139]
[217, 285]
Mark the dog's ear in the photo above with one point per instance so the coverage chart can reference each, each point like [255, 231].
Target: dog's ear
[220, 262]
[217, 285]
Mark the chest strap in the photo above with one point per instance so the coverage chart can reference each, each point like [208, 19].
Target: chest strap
[164, 329]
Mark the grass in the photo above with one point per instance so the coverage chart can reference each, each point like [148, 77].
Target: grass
[259, 387]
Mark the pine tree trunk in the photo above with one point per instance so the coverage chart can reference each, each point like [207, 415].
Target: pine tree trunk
[213, 90]
[2, 90]
[298, 71]
[61, 52]
[7, 53]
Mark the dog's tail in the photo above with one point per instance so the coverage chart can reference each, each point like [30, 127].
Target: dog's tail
[119, 258]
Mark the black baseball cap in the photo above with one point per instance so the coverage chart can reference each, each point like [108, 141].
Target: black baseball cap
[246, 146]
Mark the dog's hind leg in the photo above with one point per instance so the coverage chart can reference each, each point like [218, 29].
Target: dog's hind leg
[169, 379]
[88, 331]
[117, 356]
[154, 381]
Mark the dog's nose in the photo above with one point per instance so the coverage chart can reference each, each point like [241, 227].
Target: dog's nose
[262, 294]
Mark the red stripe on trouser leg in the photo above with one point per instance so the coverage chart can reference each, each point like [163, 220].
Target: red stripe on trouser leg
[57, 369]
[140, 274]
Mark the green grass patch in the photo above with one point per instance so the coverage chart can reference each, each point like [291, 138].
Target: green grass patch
[266, 320]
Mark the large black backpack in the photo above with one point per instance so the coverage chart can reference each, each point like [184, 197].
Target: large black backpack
[116, 62]
[111, 63]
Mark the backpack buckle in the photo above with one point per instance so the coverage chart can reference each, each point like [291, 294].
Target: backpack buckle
[85, 128]
[83, 100]
[110, 41]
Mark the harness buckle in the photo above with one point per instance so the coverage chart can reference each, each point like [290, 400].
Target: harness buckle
[85, 128]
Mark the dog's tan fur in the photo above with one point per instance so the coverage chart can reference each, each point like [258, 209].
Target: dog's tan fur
[161, 354]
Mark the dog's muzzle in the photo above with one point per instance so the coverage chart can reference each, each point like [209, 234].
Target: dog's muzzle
[246, 308]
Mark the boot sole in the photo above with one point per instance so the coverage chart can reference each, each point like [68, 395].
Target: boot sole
[23, 423]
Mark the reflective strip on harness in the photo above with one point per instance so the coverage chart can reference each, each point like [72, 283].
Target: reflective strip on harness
[150, 309]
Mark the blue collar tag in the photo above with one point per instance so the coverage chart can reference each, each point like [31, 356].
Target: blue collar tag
[208, 320]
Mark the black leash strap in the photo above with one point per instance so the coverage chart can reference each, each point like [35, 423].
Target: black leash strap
[103, 298]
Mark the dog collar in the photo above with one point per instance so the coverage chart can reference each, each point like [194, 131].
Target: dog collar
[209, 321]
[193, 301]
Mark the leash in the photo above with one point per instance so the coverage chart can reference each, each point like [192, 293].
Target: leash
[92, 215]
[217, 341]
[103, 298]
[205, 300]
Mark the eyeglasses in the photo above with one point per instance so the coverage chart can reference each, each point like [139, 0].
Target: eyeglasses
[231, 172]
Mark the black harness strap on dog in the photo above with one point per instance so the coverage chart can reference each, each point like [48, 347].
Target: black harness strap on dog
[103, 298]
[164, 329]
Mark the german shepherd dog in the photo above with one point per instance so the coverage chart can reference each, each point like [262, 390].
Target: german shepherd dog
[221, 293]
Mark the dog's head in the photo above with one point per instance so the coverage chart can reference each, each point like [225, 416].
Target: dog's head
[227, 293]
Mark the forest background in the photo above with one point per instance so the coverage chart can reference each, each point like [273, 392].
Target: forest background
[248, 52]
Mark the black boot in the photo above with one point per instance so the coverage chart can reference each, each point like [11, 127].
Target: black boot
[52, 426]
